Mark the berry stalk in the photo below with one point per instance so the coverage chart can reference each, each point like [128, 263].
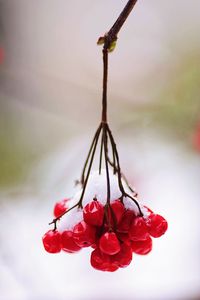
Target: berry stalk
[108, 42]
[105, 219]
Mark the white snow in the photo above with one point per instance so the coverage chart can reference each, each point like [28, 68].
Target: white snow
[97, 188]
[69, 220]
[130, 204]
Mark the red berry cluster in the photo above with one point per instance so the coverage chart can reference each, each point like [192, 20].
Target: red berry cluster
[113, 231]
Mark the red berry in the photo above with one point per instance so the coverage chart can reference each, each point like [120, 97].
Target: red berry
[94, 246]
[109, 243]
[101, 261]
[67, 242]
[156, 225]
[124, 257]
[115, 212]
[60, 207]
[126, 221]
[93, 213]
[118, 209]
[52, 241]
[112, 268]
[142, 247]
[124, 237]
[84, 235]
[138, 230]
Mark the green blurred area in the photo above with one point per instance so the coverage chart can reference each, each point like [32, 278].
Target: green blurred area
[31, 129]
[176, 107]
[27, 135]
[179, 109]
[16, 156]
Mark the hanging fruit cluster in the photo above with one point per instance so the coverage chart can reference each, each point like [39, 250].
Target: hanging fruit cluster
[105, 214]
[115, 231]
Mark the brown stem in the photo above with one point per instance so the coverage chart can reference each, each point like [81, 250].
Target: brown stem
[89, 154]
[101, 154]
[90, 166]
[106, 164]
[105, 80]
[59, 217]
[111, 36]
[108, 39]
[112, 164]
[119, 172]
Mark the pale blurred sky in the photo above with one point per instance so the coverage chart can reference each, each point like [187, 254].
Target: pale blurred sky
[51, 49]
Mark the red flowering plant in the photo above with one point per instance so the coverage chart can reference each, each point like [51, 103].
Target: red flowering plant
[105, 213]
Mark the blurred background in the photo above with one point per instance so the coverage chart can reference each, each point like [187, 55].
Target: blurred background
[50, 102]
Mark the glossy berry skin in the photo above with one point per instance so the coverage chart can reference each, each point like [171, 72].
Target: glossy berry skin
[94, 246]
[124, 237]
[126, 221]
[84, 235]
[138, 230]
[52, 241]
[101, 261]
[142, 247]
[156, 225]
[60, 207]
[67, 242]
[124, 257]
[118, 210]
[109, 243]
[93, 213]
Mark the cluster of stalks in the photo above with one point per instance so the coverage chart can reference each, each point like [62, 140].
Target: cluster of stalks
[103, 132]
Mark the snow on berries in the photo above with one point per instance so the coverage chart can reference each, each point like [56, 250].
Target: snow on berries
[105, 213]
[115, 230]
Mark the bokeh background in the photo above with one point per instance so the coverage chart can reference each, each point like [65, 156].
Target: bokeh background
[50, 101]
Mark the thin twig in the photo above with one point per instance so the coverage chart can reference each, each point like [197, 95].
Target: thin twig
[60, 216]
[108, 45]
[111, 36]
[106, 165]
[90, 166]
[105, 80]
[119, 172]
[89, 153]
[101, 153]
[123, 177]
